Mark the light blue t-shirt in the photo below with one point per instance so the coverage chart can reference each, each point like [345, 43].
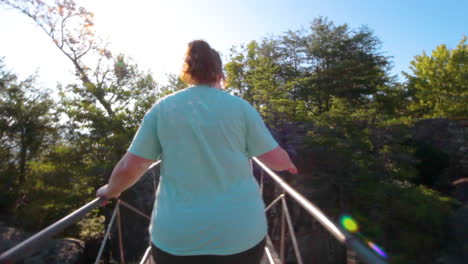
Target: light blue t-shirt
[208, 201]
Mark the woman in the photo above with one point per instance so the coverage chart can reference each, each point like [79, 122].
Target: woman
[208, 206]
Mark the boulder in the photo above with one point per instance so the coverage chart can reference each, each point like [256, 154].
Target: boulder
[60, 251]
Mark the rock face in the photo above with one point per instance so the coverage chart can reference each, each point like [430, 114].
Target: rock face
[61, 251]
[451, 138]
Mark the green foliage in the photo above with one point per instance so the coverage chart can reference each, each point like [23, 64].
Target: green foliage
[174, 84]
[27, 127]
[348, 65]
[372, 169]
[438, 83]
[409, 222]
[280, 111]
[100, 114]
[252, 73]
[92, 227]
[302, 74]
[365, 142]
[60, 182]
[105, 115]
[378, 167]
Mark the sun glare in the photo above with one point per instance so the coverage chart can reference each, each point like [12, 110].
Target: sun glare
[153, 33]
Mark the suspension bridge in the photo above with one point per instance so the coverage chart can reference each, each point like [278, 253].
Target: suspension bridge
[356, 251]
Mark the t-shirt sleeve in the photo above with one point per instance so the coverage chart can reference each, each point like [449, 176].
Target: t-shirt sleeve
[146, 142]
[259, 139]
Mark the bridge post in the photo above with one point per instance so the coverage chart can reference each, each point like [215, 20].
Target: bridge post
[283, 235]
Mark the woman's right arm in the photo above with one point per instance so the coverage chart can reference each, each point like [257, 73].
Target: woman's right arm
[278, 159]
[261, 144]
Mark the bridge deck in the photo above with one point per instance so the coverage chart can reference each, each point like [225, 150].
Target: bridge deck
[270, 256]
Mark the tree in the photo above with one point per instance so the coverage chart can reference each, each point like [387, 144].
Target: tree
[255, 74]
[309, 68]
[343, 64]
[252, 72]
[71, 29]
[27, 127]
[106, 80]
[174, 84]
[129, 93]
[107, 103]
[438, 84]
[102, 109]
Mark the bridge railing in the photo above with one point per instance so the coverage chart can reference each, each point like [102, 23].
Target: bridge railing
[35, 242]
[363, 253]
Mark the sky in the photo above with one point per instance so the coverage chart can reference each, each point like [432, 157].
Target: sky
[155, 33]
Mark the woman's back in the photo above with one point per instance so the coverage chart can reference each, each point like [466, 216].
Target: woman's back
[202, 131]
[208, 201]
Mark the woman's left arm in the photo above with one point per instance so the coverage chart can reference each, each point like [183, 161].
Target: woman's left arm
[126, 173]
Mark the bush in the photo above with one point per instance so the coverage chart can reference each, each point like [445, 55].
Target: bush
[409, 221]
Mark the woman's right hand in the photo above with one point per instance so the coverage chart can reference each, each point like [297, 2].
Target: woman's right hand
[106, 192]
[293, 169]
[278, 160]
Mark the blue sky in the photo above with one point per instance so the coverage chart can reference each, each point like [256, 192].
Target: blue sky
[155, 33]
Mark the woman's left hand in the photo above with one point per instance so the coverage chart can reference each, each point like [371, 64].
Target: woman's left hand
[106, 192]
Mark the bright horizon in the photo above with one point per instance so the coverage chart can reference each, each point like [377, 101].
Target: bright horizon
[155, 33]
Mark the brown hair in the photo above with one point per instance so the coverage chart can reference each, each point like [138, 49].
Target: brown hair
[202, 64]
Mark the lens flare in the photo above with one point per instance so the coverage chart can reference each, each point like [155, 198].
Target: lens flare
[349, 224]
[377, 249]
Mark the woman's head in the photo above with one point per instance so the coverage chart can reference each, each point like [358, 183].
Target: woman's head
[202, 64]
